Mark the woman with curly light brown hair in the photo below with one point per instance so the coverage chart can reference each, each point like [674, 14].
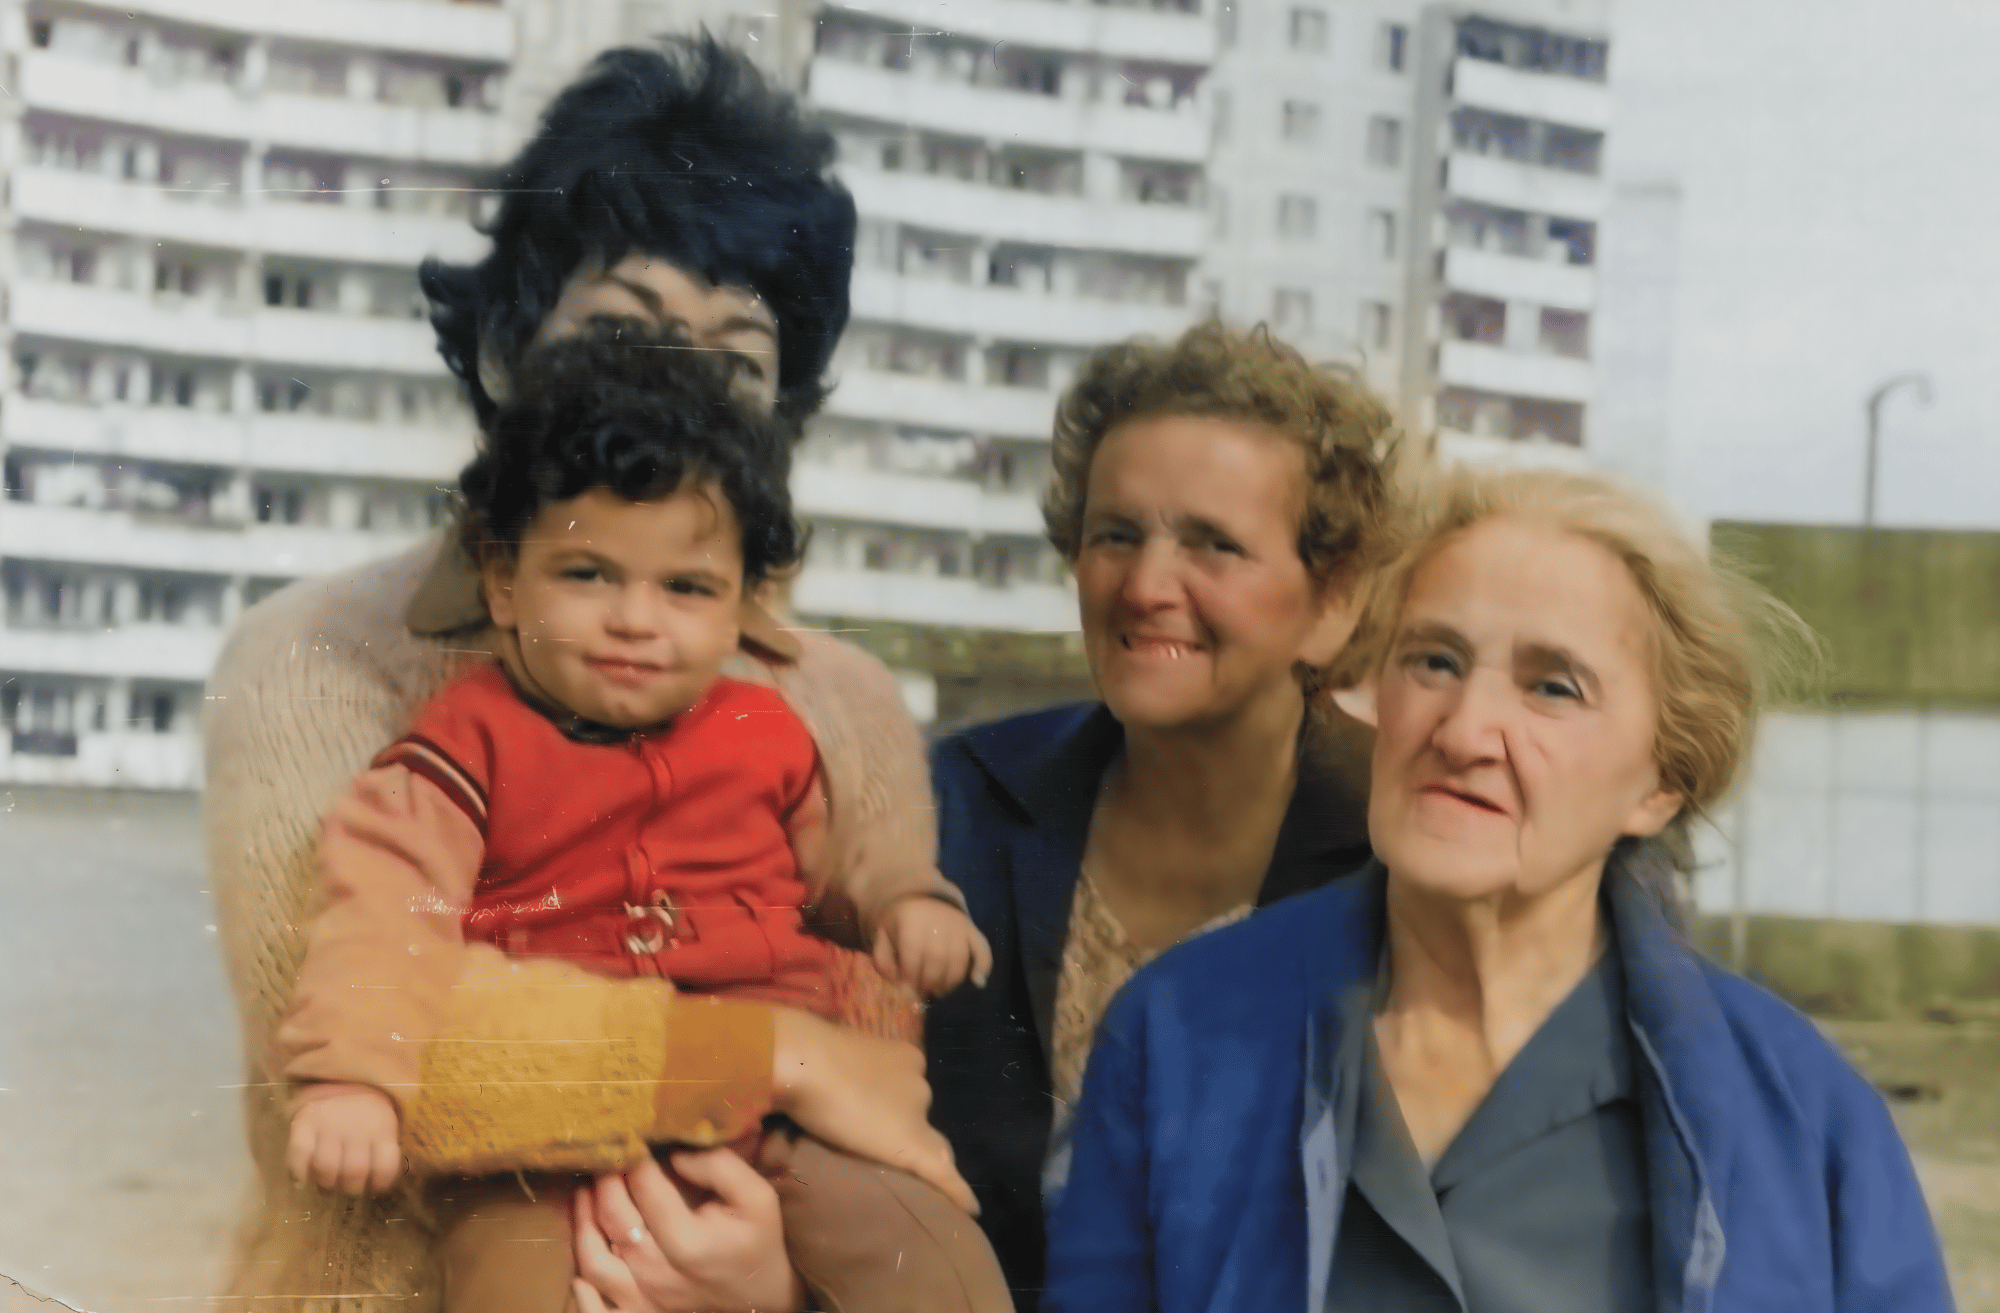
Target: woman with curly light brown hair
[1218, 498]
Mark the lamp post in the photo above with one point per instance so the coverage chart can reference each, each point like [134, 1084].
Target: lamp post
[1922, 383]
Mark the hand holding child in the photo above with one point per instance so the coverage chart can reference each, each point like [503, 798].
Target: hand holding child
[931, 946]
[345, 1138]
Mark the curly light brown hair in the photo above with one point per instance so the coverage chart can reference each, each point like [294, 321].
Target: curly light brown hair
[1720, 646]
[1346, 436]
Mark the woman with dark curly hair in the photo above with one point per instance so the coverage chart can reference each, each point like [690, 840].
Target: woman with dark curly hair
[1218, 499]
[670, 193]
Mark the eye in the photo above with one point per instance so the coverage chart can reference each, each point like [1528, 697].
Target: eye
[748, 367]
[582, 574]
[1432, 666]
[683, 587]
[1557, 687]
[1117, 535]
[1227, 546]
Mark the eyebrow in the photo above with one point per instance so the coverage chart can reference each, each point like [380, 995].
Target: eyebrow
[658, 308]
[1433, 631]
[1549, 656]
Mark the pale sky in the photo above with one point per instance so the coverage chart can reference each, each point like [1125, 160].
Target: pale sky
[1839, 162]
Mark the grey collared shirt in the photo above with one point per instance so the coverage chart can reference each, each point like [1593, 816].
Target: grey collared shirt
[1540, 1204]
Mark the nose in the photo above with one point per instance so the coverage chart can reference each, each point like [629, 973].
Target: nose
[1473, 729]
[1152, 579]
[634, 612]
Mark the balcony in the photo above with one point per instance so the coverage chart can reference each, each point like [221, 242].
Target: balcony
[934, 403]
[1547, 97]
[1456, 448]
[1553, 283]
[1083, 27]
[326, 124]
[1031, 218]
[886, 96]
[878, 497]
[930, 600]
[986, 311]
[348, 233]
[1485, 368]
[130, 759]
[293, 444]
[1511, 186]
[175, 653]
[179, 326]
[426, 27]
[62, 533]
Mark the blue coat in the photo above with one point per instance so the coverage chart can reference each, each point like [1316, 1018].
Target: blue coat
[1014, 804]
[1206, 1177]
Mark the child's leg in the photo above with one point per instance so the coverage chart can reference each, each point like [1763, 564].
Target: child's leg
[872, 1239]
[502, 1251]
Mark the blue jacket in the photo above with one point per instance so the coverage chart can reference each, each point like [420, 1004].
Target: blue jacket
[1014, 804]
[1206, 1176]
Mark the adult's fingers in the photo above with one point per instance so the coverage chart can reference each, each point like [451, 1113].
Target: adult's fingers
[587, 1299]
[724, 1174]
[654, 1204]
[885, 953]
[603, 1270]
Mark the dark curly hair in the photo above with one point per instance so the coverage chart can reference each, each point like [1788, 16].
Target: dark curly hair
[641, 417]
[685, 152]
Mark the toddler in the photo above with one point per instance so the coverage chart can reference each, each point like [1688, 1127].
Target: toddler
[600, 793]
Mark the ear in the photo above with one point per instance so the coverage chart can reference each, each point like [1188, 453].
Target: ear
[493, 378]
[1653, 813]
[1358, 701]
[1339, 605]
[496, 580]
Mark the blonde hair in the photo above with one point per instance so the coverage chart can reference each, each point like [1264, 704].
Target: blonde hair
[1719, 644]
[1346, 435]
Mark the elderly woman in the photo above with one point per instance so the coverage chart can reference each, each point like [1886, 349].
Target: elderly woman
[669, 191]
[1488, 1074]
[1217, 499]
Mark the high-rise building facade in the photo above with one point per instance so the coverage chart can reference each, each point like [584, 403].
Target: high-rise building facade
[221, 374]
[1418, 188]
[1030, 180]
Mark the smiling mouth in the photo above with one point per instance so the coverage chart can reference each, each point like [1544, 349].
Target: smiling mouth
[1160, 647]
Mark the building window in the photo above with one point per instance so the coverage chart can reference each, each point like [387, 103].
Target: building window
[1225, 24]
[1308, 31]
[1375, 325]
[1382, 234]
[1392, 47]
[1298, 216]
[1301, 121]
[1292, 310]
[1385, 142]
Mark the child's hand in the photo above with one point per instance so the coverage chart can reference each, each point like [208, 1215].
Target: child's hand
[931, 946]
[346, 1140]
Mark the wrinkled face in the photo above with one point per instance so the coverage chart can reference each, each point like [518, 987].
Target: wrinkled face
[731, 320]
[624, 610]
[1515, 718]
[1194, 601]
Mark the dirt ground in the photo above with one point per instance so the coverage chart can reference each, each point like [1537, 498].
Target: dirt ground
[122, 1149]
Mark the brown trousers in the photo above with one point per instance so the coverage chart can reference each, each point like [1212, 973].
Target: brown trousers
[864, 1238]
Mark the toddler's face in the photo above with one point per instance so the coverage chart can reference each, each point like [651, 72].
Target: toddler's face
[624, 610]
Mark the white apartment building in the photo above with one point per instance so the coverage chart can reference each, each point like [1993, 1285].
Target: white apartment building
[222, 378]
[1029, 177]
[1417, 188]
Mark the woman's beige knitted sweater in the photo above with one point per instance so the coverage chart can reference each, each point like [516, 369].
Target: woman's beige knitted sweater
[312, 684]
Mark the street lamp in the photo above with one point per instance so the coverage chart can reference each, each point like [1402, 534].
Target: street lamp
[1922, 384]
